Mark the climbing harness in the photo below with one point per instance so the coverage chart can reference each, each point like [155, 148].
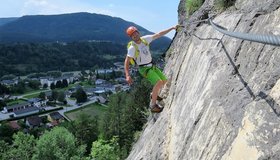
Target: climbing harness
[132, 61]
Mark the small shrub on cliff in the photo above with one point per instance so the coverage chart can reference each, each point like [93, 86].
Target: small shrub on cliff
[223, 4]
[192, 6]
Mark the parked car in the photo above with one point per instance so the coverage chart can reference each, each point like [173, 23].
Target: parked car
[4, 112]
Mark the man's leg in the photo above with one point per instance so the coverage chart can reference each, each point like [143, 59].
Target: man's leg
[156, 77]
[156, 90]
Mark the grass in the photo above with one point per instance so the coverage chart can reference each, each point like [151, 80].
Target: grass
[192, 6]
[18, 101]
[35, 95]
[86, 84]
[223, 4]
[30, 91]
[93, 109]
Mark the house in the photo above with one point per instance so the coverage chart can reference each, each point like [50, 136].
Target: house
[49, 80]
[16, 107]
[37, 102]
[34, 121]
[44, 80]
[119, 65]
[14, 125]
[100, 81]
[107, 87]
[26, 111]
[104, 71]
[121, 80]
[125, 87]
[48, 94]
[118, 87]
[9, 82]
[90, 91]
[55, 117]
[101, 99]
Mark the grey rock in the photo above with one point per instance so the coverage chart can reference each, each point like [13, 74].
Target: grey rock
[223, 93]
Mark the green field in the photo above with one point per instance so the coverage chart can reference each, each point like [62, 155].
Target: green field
[18, 101]
[35, 95]
[93, 110]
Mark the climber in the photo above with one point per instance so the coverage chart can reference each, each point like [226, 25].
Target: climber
[138, 52]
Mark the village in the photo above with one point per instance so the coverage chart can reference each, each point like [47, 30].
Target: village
[39, 111]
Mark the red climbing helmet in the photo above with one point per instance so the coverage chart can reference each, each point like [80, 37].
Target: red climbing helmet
[130, 30]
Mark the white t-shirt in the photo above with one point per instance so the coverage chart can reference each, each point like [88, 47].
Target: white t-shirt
[145, 56]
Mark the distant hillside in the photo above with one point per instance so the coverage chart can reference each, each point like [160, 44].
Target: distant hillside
[22, 59]
[6, 20]
[69, 28]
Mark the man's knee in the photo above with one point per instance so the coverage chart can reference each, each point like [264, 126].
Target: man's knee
[161, 82]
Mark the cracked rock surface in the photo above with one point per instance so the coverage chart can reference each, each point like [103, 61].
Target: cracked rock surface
[223, 93]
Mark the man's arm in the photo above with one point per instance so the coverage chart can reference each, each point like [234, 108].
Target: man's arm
[126, 70]
[159, 34]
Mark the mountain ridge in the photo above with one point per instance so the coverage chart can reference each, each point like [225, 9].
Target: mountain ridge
[81, 26]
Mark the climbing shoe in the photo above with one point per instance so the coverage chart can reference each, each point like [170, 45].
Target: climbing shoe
[156, 108]
[158, 97]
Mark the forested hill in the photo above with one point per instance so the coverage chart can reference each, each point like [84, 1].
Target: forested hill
[65, 42]
[69, 28]
[22, 59]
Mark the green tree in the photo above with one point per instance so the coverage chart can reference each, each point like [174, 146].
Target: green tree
[61, 96]
[85, 129]
[42, 95]
[54, 95]
[58, 144]
[23, 147]
[58, 84]
[126, 115]
[97, 75]
[81, 95]
[2, 104]
[4, 148]
[52, 86]
[8, 77]
[84, 73]
[19, 88]
[45, 86]
[64, 83]
[4, 90]
[6, 133]
[34, 84]
[54, 74]
[105, 150]
[113, 74]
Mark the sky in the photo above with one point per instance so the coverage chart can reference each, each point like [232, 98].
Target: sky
[154, 15]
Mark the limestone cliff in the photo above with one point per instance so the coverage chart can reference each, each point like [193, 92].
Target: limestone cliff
[222, 99]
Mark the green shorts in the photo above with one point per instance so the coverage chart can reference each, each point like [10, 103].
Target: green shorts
[153, 74]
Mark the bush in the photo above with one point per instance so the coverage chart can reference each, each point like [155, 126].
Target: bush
[105, 150]
[223, 4]
[192, 6]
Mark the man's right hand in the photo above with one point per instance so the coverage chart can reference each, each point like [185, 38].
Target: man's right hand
[129, 80]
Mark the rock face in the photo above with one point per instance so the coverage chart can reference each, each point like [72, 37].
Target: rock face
[222, 99]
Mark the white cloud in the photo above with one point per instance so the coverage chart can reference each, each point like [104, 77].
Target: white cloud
[46, 7]
[32, 7]
[111, 5]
